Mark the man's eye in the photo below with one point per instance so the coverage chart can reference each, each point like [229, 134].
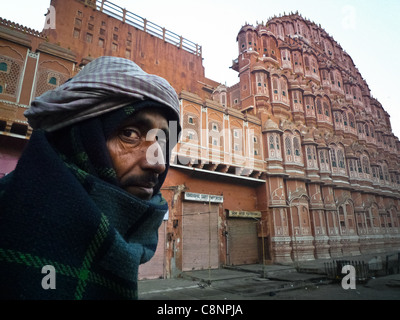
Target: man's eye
[129, 133]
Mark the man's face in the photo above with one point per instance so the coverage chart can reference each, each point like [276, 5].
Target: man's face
[137, 151]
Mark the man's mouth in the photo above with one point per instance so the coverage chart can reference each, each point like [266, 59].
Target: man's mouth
[143, 190]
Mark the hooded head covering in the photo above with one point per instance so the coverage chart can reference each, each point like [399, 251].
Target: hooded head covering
[80, 115]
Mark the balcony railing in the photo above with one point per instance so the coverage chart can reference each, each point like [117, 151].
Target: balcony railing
[140, 23]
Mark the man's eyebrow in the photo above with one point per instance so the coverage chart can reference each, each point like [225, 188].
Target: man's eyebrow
[145, 123]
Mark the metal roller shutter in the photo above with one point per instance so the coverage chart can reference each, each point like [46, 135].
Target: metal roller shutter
[242, 242]
[199, 236]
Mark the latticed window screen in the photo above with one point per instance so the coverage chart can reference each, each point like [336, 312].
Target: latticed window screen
[10, 75]
[47, 80]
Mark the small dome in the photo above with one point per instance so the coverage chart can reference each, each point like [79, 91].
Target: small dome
[270, 125]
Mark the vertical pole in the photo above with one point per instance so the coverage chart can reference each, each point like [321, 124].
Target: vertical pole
[209, 241]
[263, 247]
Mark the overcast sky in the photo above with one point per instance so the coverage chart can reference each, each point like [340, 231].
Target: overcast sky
[368, 30]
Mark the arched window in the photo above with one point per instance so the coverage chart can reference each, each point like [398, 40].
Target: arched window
[380, 173]
[340, 159]
[319, 106]
[271, 142]
[333, 157]
[386, 172]
[307, 63]
[351, 166]
[296, 146]
[326, 109]
[309, 155]
[322, 157]
[366, 130]
[284, 89]
[275, 86]
[288, 144]
[365, 164]
[273, 146]
[351, 120]
[345, 118]
[1, 88]
[359, 169]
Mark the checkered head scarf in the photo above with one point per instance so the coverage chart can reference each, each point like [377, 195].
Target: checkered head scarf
[104, 85]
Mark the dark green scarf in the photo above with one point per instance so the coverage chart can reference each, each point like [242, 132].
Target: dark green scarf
[62, 207]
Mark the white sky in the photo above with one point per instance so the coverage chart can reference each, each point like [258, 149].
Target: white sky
[368, 30]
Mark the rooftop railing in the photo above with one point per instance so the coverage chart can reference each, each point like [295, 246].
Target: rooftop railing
[140, 23]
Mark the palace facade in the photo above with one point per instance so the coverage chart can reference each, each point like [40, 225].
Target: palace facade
[297, 161]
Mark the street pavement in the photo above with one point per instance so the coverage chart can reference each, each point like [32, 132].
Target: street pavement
[304, 281]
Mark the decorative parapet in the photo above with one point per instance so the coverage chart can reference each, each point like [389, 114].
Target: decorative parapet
[22, 29]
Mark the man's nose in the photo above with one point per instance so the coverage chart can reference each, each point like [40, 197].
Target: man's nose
[154, 158]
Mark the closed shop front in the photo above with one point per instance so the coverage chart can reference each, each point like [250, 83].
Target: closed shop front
[200, 235]
[155, 268]
[242, 238]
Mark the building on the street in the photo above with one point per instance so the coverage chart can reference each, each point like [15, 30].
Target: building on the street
[297, 161]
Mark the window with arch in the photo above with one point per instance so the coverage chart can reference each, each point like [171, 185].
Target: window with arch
[351, 168]
[296, 146]
[327, 112]
[340, 156]
[279, 90]
[345, 122]
[275, 88]
[311, 157]
[333, 158]
[366, 167]
[375, 174]
[380, 173]
[309, 103]
[271, 142]
[359, 168]
[261, 79]
[307, 63]
[338, 120]
[298, 68]
[293, 153]
[273, 146]
[386, 172]
[284, 90]
[366, 130]
[361, 133]
[351, 121]
[288, 146]
[297, 104]
[338, 160]
[314, 65]
[286, 59]
[324, 160]
[319, 109]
